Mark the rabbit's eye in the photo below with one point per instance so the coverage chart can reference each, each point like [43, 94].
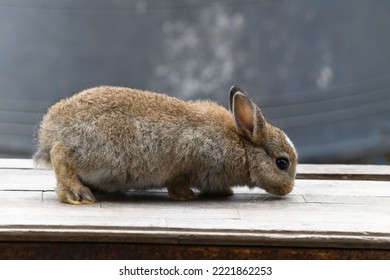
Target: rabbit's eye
[282, 163]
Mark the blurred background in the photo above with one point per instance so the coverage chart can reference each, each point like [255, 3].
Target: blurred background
[320, 70]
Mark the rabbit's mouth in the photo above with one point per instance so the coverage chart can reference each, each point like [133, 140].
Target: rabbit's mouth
[280, 190]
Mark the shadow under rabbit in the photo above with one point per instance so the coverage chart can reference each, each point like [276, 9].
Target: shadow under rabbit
[161, 197]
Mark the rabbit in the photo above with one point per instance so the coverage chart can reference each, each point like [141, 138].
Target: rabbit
[116, 139]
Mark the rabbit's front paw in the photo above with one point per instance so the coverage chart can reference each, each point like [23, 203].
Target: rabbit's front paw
[179, 188]
[222, 192]
[181, 194]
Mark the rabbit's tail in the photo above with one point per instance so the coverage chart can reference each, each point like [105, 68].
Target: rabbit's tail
[42, 158]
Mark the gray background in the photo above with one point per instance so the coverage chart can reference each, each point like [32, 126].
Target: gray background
[319, 69]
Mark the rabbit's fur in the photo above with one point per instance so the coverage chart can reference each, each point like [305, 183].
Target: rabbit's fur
[116, 138]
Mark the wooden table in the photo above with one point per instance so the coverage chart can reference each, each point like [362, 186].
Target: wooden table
[334, 212]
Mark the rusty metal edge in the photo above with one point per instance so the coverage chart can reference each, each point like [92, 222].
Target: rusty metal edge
[122, 251]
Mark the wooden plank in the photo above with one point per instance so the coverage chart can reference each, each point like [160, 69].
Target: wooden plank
[318, 217]
[343, 172]
[28, 180]
[147, 235]
[279, 222]
[10, 163]
[367, 200]
[342, 188]
[20, 199]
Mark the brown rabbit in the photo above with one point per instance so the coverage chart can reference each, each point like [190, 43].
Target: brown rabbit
[115, 138]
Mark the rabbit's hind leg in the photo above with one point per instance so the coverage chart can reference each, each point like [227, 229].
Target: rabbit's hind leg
[69, 188]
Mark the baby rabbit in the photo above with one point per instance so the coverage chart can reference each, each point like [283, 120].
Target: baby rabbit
[115, 138]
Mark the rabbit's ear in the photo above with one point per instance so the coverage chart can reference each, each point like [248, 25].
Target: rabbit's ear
[233, 91]
[248, 117]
